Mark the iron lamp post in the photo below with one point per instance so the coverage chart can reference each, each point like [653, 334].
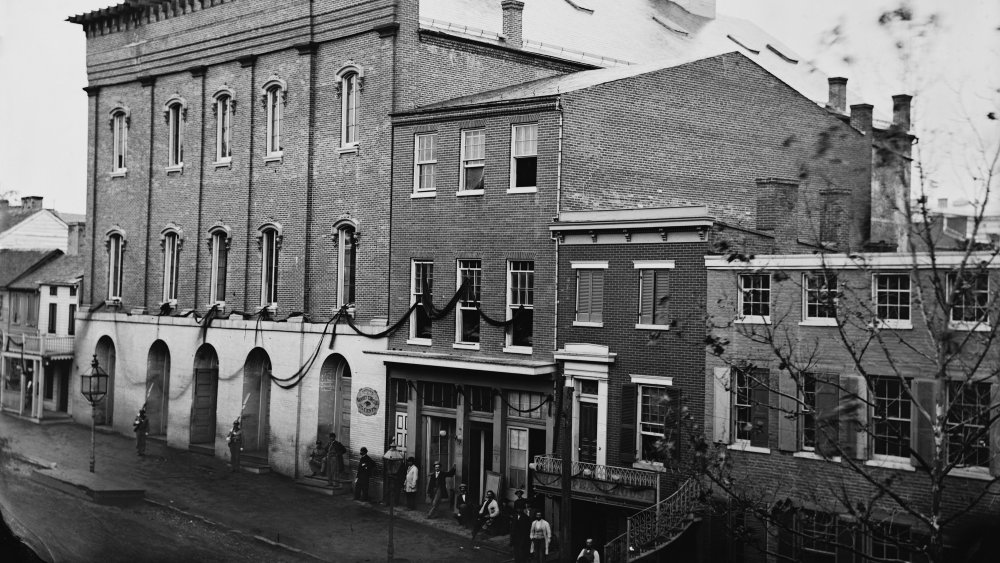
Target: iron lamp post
[392, 461]
[94, 386]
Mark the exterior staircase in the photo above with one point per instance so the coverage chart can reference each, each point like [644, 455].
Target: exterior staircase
[656, 527]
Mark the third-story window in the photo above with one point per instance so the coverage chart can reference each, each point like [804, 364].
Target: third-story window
[470, 275]
[223, 134]
[653, 411]
[347, 264]
[171, 250]
[349, 110]
[115, 251]
[653, 298]
[220, 266]
[422, 286]
[473, 160]
[891, 428]
[808, 409]
[520, 302]
[968, 424]
[892, 299]
[53, 316]
[524, 156]
[425, 163]
[971, 297]
[273, 101]
[820, 296]
[71, 329]
[755, 297]
[269, 267]
[175, 136]
[119, 126]
[589, 296]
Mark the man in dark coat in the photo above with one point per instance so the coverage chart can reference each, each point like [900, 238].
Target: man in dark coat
[520, 531]
[141, 428]
[366, 468]
[235, 441]
[334, 458]
[437, 487]
[464, 507]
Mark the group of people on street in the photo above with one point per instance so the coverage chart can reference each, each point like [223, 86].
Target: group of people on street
[328, 459]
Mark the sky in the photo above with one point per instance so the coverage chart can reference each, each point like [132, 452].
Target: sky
[953, 73]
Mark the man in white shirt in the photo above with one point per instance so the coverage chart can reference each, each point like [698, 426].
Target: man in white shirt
[410, 483]
[589, 554]
[541, 535]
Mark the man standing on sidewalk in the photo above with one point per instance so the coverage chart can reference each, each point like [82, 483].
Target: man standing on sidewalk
[410, 483]
[437, 487]
[235, 441]
[366, 467]
[541, 535]
[141, 428]
[334, 459]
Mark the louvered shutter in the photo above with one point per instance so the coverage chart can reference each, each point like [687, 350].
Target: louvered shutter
[921, 429]
[583, 296]
[827, 423]
[646, 296]
[761, 413]
[626, 444]
[788, 413]
[674, 422]
[786, 533]
[994, 433]
[660, 297]
[596, 296]
[723, 401]
[854, 417]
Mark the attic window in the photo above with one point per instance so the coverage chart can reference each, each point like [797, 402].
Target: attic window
[580, 7]
[744, 45]
[671, 26]
[784, 56]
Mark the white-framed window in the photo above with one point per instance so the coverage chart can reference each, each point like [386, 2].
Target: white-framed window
[892, 299]
[224, 128]
[817, 536]
[589, 297]
[807, 434]
[743, 405]
[274, 103]
[269, 246]
[888, 542]
[425, 163]
[517, 457]
[220, 266]
[119, 133]
[175, 135]
[525, 404]
[520, 303]
[892, 419]
[968, 422]
[755, 298]
[347, 265]
[653, 412]
[421, 289]
[653, 297]
[470, 275]
[524, 157]
[472, 174]
[819, 298]
[171, 254]
[971, 299]
[116, 249]
[349, 109]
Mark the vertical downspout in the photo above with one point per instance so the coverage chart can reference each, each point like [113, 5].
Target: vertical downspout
[555, 317]
[200, 71]
[252, 63]
[93, 189]
[149, 194]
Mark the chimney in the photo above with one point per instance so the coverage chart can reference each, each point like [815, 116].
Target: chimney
[74, 238]
[776, 202]
[838, 94]
[513, 12]
[901, 111]
[861, 118]
[31, 203]
[834, 224]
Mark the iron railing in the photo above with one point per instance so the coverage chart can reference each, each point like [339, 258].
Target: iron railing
[655, 526]
[42, 344]
[626, 476]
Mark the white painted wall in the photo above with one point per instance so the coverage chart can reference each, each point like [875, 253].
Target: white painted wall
[62, 300]
[41, 231]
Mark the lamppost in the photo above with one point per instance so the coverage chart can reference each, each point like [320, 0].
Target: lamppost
[392, 460]
[94, 386]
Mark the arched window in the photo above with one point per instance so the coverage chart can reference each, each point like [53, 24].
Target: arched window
[175, 112]
[170, 239]
[270, 245]
[274, 100]
[347, 260]
[119, 134]
[350, 87]
[115, 242]
[224, 106]
[219, 245]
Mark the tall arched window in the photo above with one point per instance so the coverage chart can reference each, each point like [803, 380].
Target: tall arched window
[175, 112]
[115, 243]
[170, 239]
[270, 245]
[219, 246]
[349, 88]
[274, 100]
[224, 124]
[347, 260]
[119, 134]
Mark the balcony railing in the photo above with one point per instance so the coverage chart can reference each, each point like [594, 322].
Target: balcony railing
[655, 527]
[616, 483]
[42, 344]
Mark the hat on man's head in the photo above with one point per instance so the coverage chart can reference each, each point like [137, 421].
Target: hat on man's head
[463, 486]
[333, 434]
[364, 450]
[411, 459]
[519, 493]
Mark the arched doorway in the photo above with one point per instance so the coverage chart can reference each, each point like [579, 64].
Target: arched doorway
[157, 387]
[335, 399]
[206, 386]
[106, 356]
[256, 403]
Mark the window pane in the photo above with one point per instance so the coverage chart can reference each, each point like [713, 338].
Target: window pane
[968, 419]
[755, 295]
[891, 431]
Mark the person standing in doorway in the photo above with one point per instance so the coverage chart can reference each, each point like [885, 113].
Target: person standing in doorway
[437, 487]
[589, 554]
[520, 536]
[141, 428]
[366, 468]
[410, 483]
[235, 441]
[334, 459]
[541, 535]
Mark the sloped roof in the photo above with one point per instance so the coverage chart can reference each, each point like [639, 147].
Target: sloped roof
[64, 270]
[10, 220]
[71, 217]
[15, 263]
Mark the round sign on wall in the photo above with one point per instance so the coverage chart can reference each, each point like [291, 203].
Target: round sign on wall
[367, 401]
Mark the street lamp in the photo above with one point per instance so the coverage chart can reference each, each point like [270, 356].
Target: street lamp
[392, 461]
[441, 435]
[94, 386]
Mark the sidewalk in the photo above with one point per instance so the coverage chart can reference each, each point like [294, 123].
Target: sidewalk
[269, 506]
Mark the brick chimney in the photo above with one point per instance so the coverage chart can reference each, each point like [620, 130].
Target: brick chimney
[834, 223]
[838, 94]
[776, 203]
[74, 238]
[513, 12]
[901, 111]
[31, 203]
[861, 118]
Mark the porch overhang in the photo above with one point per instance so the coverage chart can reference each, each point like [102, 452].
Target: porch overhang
[431, 359]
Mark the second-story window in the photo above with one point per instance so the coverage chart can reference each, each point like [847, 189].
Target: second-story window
[175, 135]
[470, 276]
[820, 298]
[892, 299]
[425, 163]
[119, 131]
[968, 423]
[970, 299]
[53, 316]
[171, 252]
[224, 126]
[71, 328]
[524, 156]
[349, 109]
[755, 297]
[891, 428]
[269, 267]
[116, 247]
[520, 302]
[347, 264]
[220, 266]
[422, 286]
[473, 160]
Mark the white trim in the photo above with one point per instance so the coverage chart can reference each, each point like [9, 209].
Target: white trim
[419, 341]
[753, 320]
[652, 264]
[818, 321]
[351, 149]
[890, 462]
[897, 260]
[511, 189]
[422, 195]
[661, 380]
[174, 168]
[979, 473]
[590, 324]
[893, 324]
[526, 350]
[970, 326]
[432, 359]
[417, 163]
[805, 454]
[744, 446]
[589, 264]
[463, 165]
[652, 327]
[469, 192]
[465, 345]
[522, 190]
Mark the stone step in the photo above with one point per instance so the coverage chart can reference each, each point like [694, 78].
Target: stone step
[94, 487]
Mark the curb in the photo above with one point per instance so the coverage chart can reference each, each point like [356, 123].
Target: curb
[31, 460]
[384, 510]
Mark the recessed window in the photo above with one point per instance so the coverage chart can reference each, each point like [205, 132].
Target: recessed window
[653, 298]
[349, 109]
[480, 398]
[422, 285]
[269, 267]
[53, 290]
[892, 299]
[891, 424]
[119, 129]
[473, 160]
[440, 395]
[71, 328]
[520, 303]
[517, 457]
[889, 542]
[53, 315]
[72, 291]
[116, 246]
[808, 412]
[968, 424]
[653, 409]
[224, 128]
[743, 405]
[525, 404]
[347, 264]
[273, 101]
[820, 297]
[220, 266]
[818, 536]
[425, 163]
[470, 277]
[589, 296]
[524, 156]
[171, 252]
[970, 299]
[175, 135]
[755, 297]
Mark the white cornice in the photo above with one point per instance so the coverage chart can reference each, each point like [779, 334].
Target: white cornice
[897, 260]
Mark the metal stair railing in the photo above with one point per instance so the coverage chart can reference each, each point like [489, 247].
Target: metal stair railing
[656, 526]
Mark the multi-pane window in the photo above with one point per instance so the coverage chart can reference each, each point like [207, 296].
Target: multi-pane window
[439, 395]
[517, 457]
[520, 302]
[470, 277]
[175, 140]
[119, 126]
[223, 133]
[473, 159]
[525, 404]
[72, 291]
[400, 392]
[968, 424]
[808, 407]
[820, 300]
[971, 294]
[743, 405]
[171, 248]
[755, 296]
[891, 424]
[53, 290]
[53, 315]
[31, 309]
[892, 298]
[269, 267]
[347, 260]
[71, 328]
[115, 250]
[15, 308]
[818, 537]
[889, 542]
[480, 398]
[589, 296]
[652, 421]
[524, 156]
[220, 265]
[273, 103]
[422, 286]
[425, 163]
[653, 297]
[349, 109]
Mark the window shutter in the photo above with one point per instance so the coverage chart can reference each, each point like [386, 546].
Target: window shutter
[582, 296]
[788, 413]
[921, 430]
[661, 296]
[854, 417]
[646, 296]
[827, 423]
[761, 411]
[994, 433]
[674, 422]
[847, 541]
[723, 402]
[596, 296]
[786, 534]
[626, 445]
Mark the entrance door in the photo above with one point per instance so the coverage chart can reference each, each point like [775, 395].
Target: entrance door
[438, 446]
[587, 450]
[157, 387]
[344, 410]
[481, 458]
[256, 403]
[203, 410]
[107, 358]
[63, 375]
